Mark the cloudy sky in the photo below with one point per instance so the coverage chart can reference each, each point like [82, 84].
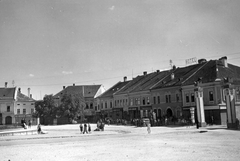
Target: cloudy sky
[47, 44]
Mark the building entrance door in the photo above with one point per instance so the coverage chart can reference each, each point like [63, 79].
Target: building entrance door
[8, 120]
[169, 113]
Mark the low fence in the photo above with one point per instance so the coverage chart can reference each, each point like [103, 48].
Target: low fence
[19, 132]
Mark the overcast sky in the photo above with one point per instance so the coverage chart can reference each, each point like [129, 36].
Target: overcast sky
[47, 44]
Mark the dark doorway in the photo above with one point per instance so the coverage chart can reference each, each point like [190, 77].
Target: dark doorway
[159, 114]
[169, 113]
[8, 120]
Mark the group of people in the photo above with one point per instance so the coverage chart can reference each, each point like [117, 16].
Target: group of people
[24, 124]
[85, 128]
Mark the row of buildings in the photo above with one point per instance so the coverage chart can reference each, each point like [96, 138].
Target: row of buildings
[170, 93]
[166, 94]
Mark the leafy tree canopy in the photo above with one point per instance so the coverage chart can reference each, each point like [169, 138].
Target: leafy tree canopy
[72, 106]
[45, 107]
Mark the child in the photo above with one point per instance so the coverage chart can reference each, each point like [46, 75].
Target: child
[81, 128]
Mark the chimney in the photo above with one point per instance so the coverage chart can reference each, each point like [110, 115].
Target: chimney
[158, 71]
[28, 92]
[172, 76]
[174, 67]
[224, 61]
[124, 79]
[6, 84]
[73, 84]
[145, 73]
[201, 61]
[63, 87]
[30, 95]
[19, 90]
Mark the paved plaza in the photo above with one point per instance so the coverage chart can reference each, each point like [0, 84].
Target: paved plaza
[124, 143]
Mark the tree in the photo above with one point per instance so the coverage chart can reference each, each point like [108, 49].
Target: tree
[45, 107]
[72, 106]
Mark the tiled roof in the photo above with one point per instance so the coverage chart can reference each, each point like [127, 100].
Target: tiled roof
[150, 81]
[180, 75]
[85, 90]
[7, 93]
[113, 89]
[213, 70]
[23, 98]
[131, 85]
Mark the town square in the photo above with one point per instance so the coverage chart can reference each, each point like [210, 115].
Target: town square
[119, 80]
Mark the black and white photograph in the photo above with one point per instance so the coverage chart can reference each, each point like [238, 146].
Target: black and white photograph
[119, 80]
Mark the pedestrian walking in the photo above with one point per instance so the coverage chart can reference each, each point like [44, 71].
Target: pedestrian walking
[89, 128]
[85, 128]
[149, 128]
[197, 123]
[29, 123]
[39, 129]
[81, 128]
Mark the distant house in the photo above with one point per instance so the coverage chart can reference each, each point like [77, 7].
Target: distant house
[107, 106]
[24, 107]
[88, 92]
[15, 106]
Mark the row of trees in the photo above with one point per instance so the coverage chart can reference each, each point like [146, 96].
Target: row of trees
[71, 106]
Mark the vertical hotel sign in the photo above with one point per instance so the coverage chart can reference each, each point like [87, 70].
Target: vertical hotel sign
[191, 61]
